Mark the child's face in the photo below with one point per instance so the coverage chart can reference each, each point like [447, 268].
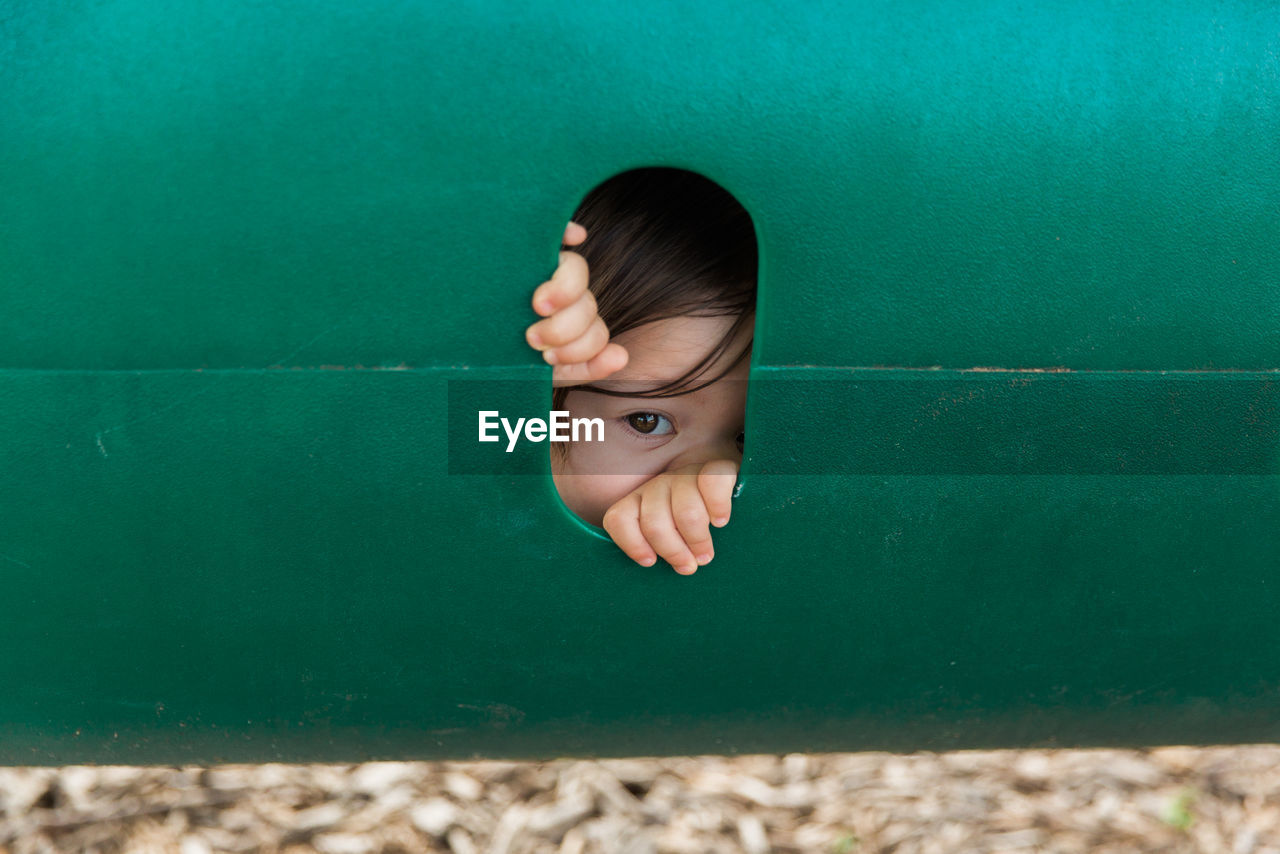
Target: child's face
[646, 436]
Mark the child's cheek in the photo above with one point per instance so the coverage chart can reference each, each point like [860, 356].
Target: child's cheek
[593, 476]
[583, 491]
[589, 493]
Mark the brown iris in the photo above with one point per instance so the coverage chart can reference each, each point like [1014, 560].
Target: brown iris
[644, 422]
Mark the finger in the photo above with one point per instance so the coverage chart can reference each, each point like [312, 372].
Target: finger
[715, 483]
[584, 348]
[659, 528]
[691, 517]
[622, 523]
[566, 326]
[567, 284]
[611, 359]
[573, 234]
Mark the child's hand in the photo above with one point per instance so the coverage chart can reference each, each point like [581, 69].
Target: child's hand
[572, 337]
[670, 515]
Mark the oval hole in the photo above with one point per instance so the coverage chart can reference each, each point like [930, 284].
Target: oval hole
[673, 267]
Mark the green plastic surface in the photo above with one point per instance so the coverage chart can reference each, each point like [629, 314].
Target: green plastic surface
[1013, 471]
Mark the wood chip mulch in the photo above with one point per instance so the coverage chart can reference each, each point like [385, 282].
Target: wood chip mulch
[1173, 799]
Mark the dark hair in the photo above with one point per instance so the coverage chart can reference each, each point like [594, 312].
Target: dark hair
[665, 243]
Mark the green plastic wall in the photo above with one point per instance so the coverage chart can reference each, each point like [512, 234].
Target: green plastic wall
[1013, 455]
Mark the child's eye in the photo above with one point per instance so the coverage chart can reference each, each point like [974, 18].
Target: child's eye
[650, 423]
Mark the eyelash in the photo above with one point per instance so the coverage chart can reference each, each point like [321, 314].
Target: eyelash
[626, 423]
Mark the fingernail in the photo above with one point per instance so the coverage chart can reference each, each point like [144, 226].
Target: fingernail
[648, 561]
[688, 570]
[703, 559]
[720, 521]
[543, 306]
[550, 356]
[534, 340]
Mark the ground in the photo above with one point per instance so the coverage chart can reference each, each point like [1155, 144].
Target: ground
[1174, 799]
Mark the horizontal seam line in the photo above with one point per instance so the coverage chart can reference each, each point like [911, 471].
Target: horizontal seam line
[986, 370]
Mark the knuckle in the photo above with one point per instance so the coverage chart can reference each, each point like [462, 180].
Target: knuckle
[659, 534]
[551, 336]
[614, 515]
[651, 522]
[669, 549]
[563, 325]
[691, 517]
[571, 354]
[596, 337]
[615, 524]
[583, 315]
[574, 267]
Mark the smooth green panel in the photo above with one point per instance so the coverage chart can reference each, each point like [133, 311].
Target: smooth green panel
[297, 578]
[247, 252]
[1092, 186]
